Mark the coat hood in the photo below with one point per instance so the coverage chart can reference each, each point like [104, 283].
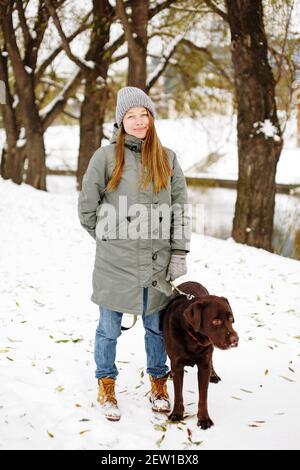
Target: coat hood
[133, 143]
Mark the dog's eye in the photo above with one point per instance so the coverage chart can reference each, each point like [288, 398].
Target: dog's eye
[217, 322]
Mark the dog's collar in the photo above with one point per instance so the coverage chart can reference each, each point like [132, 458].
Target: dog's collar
[188, 296]
[192, 336]
[196, 339]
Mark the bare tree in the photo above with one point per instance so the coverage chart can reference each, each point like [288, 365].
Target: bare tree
[259, 134]
[24, 122]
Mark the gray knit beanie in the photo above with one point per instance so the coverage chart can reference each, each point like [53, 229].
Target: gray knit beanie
[130, 97]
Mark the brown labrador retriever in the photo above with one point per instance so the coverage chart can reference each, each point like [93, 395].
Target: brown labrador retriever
[191, 330]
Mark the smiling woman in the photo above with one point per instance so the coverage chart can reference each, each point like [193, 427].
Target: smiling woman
[135, 174]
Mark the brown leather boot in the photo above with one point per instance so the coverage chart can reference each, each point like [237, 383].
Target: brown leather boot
[159, 395]
[107, 398]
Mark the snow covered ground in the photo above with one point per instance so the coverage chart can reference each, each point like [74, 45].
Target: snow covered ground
[48, 390]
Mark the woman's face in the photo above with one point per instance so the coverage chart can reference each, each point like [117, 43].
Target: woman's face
[136, 122]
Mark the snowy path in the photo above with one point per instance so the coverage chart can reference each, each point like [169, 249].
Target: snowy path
[48, 390]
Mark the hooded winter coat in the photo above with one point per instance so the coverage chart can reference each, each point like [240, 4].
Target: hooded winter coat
[125, 265]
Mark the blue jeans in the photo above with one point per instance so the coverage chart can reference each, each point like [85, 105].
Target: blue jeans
[109, 329]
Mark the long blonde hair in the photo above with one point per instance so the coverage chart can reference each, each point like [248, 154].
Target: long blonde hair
[155, 162]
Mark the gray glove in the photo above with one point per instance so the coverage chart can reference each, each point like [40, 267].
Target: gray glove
[177, 267]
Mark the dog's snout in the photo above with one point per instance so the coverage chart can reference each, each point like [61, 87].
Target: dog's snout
[234, 340]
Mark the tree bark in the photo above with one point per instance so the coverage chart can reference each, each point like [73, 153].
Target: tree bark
[96, 93]
[258, 151]
[135, 29]
[34, 147]
[8, 156]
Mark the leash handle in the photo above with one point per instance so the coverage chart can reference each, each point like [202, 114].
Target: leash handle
[124, 328]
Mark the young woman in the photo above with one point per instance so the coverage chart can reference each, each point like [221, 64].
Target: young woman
[141, 243]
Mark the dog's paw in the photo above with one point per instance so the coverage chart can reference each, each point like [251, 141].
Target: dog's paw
[174, 417]
[205, 423]
[214, 378]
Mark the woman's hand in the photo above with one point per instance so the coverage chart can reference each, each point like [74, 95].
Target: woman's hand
[177, 266]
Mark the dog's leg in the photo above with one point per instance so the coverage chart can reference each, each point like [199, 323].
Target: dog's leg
[177, 413]
[214, 378]
[204, 368]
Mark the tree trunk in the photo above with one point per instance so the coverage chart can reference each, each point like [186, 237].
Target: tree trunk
[35, 150]
[258, 149]
[10, 123]
[96, 93]
[137, 48]
[135, 29]
[91, 124]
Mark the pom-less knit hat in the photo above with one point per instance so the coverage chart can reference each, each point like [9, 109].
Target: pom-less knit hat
[131, 97]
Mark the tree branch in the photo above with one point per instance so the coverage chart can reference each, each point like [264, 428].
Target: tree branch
[162, 66]
[84, 26]
[217, 10]
[121, 13]
[64, 40]
[204, 50]
[57, 105]
[161, 6]
[24, 25]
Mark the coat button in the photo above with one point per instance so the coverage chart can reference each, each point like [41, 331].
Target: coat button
[154, 283]
[154, 256]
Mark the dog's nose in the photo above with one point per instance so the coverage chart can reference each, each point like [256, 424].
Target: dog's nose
[234, 341]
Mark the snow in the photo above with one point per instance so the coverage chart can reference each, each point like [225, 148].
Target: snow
[48, 391]
[266, 128]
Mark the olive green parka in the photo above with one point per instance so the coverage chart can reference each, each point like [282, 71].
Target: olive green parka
[124, 264]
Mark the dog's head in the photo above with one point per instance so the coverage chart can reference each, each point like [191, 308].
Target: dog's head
[212, 316]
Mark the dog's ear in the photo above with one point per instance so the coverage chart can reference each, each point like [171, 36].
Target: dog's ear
[193, 315]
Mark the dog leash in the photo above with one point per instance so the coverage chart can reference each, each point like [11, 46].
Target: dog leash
[188, 296]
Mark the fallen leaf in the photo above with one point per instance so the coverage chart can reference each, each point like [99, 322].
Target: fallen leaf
[160, 427]
[286, 378]
[50, 434]
[158, 443]
[15, 340]
[83, 432]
